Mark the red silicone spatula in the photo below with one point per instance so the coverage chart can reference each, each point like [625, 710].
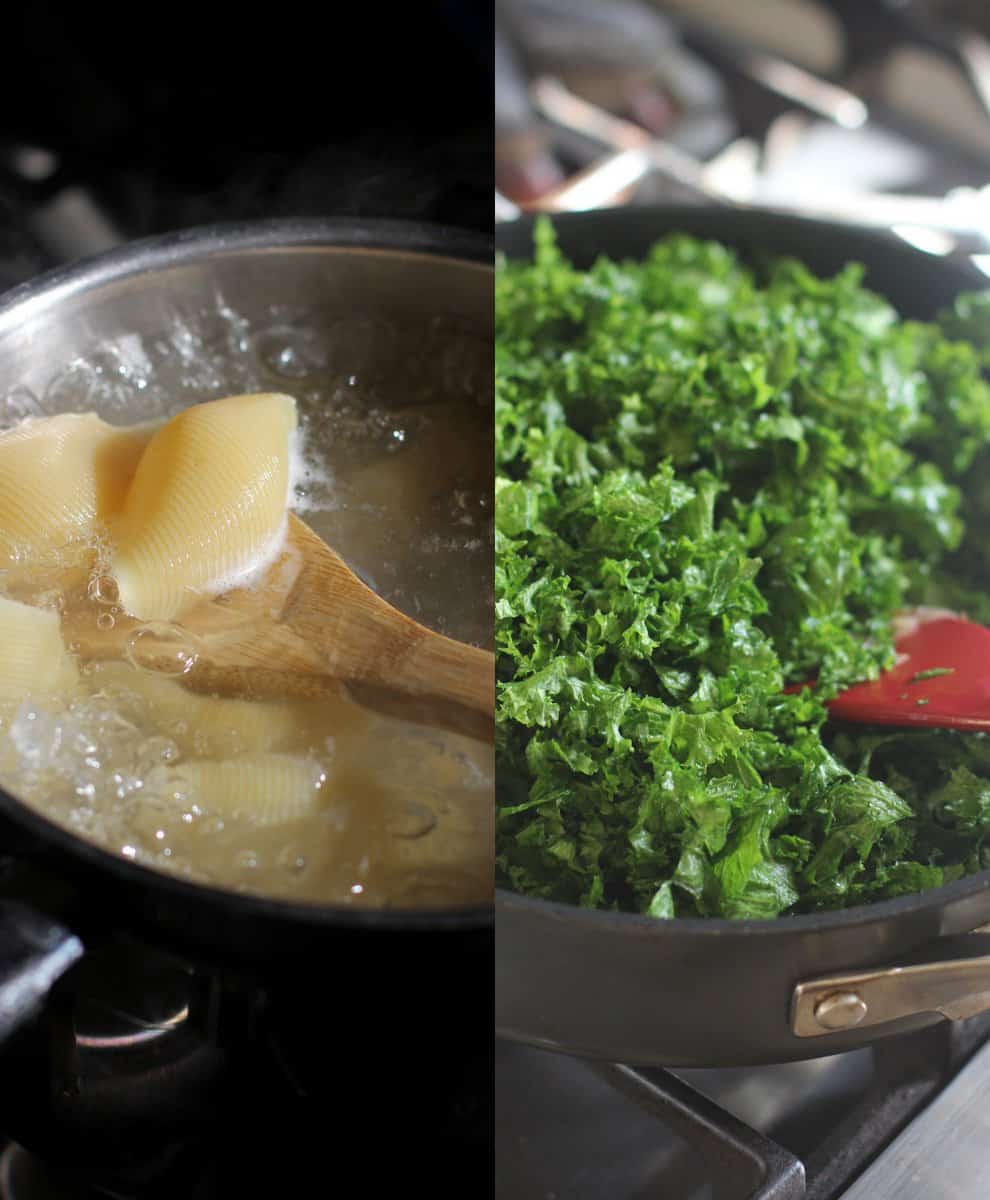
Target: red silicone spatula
[942, 678]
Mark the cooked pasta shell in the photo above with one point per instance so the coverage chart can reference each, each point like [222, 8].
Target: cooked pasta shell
[58, 475]
[218, 726]
[116, 462]
[260, 789]
[211, 725]
[207, 503]
[33, 660]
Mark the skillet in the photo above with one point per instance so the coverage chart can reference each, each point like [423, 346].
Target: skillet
[697, 992]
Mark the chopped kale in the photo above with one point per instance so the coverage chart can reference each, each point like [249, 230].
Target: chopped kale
[713, 484]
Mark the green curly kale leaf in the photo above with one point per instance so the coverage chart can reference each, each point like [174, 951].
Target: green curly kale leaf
[711, 485]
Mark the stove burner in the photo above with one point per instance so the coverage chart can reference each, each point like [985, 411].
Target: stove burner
[24, 1177]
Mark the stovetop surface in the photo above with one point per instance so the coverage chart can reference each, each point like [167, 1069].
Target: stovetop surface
[871, 1123]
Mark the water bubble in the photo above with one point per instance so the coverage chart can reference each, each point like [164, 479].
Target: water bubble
[156, 750]
[291, 353]
[162, 647]
[126, 784]
[102, 589]
[70, 390]
[18, 404]
[290, 860]
[113, 725]
[412, 820]
[106, 621]
[37, 738]
[82, 742]
[53, 598]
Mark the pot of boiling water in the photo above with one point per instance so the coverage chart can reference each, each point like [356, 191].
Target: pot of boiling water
[382, 331]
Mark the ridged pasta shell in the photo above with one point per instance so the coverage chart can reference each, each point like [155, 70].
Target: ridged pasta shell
[33, 660]
[58, 476]
[214, 725]
[207, 503]
[218, 726]
[262, 789]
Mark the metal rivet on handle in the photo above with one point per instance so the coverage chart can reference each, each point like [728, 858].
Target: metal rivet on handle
[840, 1010]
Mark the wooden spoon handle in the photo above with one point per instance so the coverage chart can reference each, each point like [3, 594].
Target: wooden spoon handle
[436, 681]
[382, 656]
[408, 671]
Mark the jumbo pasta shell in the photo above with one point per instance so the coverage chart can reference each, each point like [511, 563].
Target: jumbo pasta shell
[33, 659]
[211, 725]
[58, 477]
[261, 789]
[207, 504]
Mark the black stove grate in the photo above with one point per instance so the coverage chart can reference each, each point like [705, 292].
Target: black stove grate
[809, 1148]
[735, 1155]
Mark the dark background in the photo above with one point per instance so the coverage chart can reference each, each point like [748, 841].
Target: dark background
[180, 114]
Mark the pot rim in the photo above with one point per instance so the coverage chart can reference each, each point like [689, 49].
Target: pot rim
[203, 241]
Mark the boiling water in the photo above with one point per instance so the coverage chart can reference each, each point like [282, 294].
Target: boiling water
[397, 429]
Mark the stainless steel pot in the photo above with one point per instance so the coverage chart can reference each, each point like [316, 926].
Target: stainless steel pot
[114, 303]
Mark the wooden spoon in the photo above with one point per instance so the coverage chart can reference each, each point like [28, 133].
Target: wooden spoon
[941, 678]
[307, 628]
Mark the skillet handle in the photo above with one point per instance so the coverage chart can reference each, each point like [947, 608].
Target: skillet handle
[35, 951]
[956, 988]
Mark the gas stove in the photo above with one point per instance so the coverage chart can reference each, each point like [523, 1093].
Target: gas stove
[906, 1118]
[149, 1076]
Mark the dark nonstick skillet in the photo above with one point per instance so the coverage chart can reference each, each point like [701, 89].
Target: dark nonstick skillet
[692, 992]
